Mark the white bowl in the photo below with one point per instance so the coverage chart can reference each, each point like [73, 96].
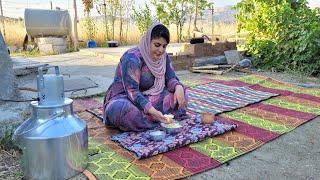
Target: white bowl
[172, 128]
[157, 135]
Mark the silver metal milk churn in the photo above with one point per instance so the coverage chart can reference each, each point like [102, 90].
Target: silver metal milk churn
[54, 141]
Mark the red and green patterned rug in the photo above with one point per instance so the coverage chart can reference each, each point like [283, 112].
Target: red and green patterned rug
[257, 124]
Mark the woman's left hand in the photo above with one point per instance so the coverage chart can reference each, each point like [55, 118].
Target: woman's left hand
[179, 97]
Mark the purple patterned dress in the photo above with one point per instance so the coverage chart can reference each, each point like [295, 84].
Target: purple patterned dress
[125, 106]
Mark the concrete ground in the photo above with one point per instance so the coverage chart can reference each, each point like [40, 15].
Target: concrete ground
[77, 65]
[295, 155]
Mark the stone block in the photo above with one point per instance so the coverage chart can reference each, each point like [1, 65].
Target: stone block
[52, 45]
[231, 45]
[181, 62]
[55, 41]
[60, 49]
[198, 50]
[46, 49]
[233, 56]
[218, 60]
[245, 63]
[221, 46]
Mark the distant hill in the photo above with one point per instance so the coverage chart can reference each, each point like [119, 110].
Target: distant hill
[221, 15]
[225, 14]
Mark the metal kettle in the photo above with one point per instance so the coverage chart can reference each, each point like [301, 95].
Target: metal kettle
[54, 141]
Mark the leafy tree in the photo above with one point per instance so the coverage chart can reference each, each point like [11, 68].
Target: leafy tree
[128, 7]
[88, 5]
[121, 16]
[114, 6]
[142, 18]
[88, 22]
[176, 12]
[109, 8]
[101, 7]
[198, 6]
[89, 26]
[125, 6]
[203, 4]
[173, 12]
[283, 34]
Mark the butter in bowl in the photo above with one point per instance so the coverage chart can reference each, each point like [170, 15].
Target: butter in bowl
[172, 128]
[169, 117]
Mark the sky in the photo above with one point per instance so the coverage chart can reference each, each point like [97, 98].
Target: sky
[15, 8]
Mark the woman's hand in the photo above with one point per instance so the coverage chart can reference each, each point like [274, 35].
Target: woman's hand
[157, 115]
[179, 97]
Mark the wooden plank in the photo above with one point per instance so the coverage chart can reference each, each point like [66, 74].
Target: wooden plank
[212, 67]
[244, 70]
[230, 69]
[209, 71]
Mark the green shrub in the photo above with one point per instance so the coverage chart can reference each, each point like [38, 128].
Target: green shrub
[283, 34]
[6, 142]
[89, 26]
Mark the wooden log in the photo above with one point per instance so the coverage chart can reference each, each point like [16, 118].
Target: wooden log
[244, 70]
[212, 67]
[208, 71]
[230, 69]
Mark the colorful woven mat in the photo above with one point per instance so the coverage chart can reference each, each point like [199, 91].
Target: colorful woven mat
[257, 124]
[143, 146]
[220, 97]
[209, 97]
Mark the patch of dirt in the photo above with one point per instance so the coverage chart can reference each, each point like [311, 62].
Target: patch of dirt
[10, 165]
[291, 78]
[296, 79]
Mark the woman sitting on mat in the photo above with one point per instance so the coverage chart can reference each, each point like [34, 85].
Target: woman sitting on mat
[145, 86]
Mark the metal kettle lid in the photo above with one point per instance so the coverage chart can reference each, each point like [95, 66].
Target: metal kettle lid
[67, 101]
[50, 87]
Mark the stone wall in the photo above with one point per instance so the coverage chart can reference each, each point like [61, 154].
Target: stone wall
[12, 114]
[220, 46]
[198, 50]
[7, 83]
[186, 58]
[181, 62]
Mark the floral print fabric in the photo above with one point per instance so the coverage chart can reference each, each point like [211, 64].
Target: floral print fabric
[141, 144]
